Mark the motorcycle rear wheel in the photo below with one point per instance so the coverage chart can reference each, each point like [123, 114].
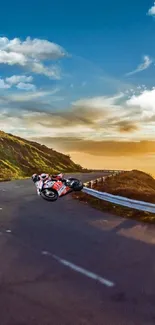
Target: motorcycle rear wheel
[77, 185]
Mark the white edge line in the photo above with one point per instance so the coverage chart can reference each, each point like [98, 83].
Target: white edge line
[80, 270]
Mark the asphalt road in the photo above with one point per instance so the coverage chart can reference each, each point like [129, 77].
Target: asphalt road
[64, 263]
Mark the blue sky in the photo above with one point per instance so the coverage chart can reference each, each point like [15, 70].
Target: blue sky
[82, 71]
[112, 36]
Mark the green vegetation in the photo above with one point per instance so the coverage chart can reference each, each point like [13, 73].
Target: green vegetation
[134, 184]
[20, 158]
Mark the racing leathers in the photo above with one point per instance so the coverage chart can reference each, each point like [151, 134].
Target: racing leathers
[40, 180]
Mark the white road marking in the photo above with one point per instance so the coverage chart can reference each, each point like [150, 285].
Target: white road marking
[80, 270]
[46, 253]
[8, 231]
[18, 186]
[0, 208]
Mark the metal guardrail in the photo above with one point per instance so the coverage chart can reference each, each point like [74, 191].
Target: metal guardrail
[109, 170]
[134, 204]
[120, 200]
[102, 179]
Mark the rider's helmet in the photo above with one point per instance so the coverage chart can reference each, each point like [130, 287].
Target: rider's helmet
[44, 176]
[35, 178]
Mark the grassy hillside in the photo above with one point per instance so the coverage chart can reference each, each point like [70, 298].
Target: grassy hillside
[134, 184]
[21, 158]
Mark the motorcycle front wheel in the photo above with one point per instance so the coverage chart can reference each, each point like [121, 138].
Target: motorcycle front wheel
[49, 195]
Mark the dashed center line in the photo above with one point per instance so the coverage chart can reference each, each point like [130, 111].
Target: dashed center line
[74, 267]
[80, 270]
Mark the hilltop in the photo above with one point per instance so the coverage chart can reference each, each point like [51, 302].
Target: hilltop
[134, 184]
[21, 158]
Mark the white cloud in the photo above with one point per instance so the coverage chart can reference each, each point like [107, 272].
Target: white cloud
[21, 82]
[12, 58]
[145, 101]
[30, 54]
[151, 11]
[26, 86]
[3, 85]
[143, 66]
[15, 79]
[39, 68]
[3, 42]
[35, 48]
[98, 102]
[94, 118]
[38, 95]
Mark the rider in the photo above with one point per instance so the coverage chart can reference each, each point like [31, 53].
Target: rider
[39, 180]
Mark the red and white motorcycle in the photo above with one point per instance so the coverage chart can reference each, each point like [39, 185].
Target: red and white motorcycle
[53, 189]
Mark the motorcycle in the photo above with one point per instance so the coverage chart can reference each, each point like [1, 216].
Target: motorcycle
[54, 189]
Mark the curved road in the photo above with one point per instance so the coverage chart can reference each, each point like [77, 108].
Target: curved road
[64, 263]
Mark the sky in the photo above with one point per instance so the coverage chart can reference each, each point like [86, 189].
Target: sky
[79, 78]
